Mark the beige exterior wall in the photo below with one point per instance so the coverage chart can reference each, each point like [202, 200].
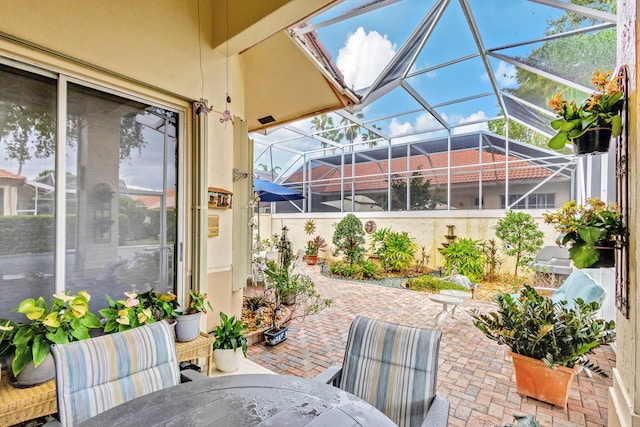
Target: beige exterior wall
[465, 197]
[150, 49]
[428, 228]
[624, 396]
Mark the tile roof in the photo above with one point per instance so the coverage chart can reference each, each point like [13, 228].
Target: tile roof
[5, 174]
[467, 166]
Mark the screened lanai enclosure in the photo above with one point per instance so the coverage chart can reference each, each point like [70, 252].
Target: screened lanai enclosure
[453, 106]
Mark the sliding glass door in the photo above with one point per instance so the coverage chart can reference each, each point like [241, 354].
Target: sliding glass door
[113, 181]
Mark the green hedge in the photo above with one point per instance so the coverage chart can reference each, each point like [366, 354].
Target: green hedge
[24, 234]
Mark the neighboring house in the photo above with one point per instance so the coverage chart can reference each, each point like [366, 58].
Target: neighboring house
[13, 198]
[474, 175]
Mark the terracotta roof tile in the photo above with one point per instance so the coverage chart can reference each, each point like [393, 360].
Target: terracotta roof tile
[4, 174]
[466, 168]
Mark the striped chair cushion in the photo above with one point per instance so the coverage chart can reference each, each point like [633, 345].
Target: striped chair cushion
[97, 374]
[393, 367]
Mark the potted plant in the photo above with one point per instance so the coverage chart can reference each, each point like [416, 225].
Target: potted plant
[598, 115]
[282, 285]
[125, 314]
[188, 318]
[590, 230]
[548, 341]
[313, 248]
[67, 319]
[163, 306]
[229, 337]
[7, 330]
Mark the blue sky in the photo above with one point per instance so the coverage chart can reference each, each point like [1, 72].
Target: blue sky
[363, 45]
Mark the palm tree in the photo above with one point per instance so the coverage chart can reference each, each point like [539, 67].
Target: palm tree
[371, 136]
[273, 171]
[324, 124]
[351, 129]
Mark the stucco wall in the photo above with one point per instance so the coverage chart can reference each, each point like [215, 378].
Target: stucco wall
[624, 396]
[428, 228]
[152, 49]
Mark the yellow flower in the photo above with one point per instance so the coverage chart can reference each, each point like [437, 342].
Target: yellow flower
[166, 297]
[545, 329]
[144, 315]
[35, 313]
[52, 320]
[124, 318]
[79, 308]
[556, 103]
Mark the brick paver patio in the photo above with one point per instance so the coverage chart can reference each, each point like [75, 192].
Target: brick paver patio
[473, 373]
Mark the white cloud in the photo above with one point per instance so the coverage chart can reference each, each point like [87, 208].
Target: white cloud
[425, 121]
[363, 57]
[505, 74]
[480, 115]
[396, 128]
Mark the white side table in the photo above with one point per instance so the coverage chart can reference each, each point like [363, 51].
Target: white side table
[463, 295]
[446, 301]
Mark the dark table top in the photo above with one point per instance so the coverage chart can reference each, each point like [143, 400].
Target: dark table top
[245, 400]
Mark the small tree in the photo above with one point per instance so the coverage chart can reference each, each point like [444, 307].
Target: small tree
[348, 238]
[521, 236]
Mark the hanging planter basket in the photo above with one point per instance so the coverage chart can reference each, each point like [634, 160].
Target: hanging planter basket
[594, 141]
[607, 257]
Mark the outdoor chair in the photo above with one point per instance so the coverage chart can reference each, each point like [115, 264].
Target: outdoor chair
[97, 374]
[577, 285]
[552, 260]
[394, 368]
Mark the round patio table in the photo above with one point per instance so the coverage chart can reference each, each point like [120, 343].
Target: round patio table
[463, 295]
[245, 400]
[446, 301]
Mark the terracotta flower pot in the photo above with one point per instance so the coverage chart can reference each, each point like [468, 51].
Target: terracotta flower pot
[594, 141]
[311, 259]
[535, 379]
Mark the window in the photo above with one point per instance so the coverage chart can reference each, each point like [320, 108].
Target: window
[532, 201]
[119, 192]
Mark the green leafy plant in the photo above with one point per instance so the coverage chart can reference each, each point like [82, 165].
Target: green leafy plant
[348, 238]
[198, 303]
[533, 325]
[368, 270]
[466, 256]
[399, 251]
[601, 109]
[586, 226]
[396, 250]
[163, 306]
[315, 245]
[67, 319]
[432, 284]
[129, 313]
[376, 242]
[281, 285]
[523, 421]
[493, 261]
[521, 236]
[230, 334]
[7, 330]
